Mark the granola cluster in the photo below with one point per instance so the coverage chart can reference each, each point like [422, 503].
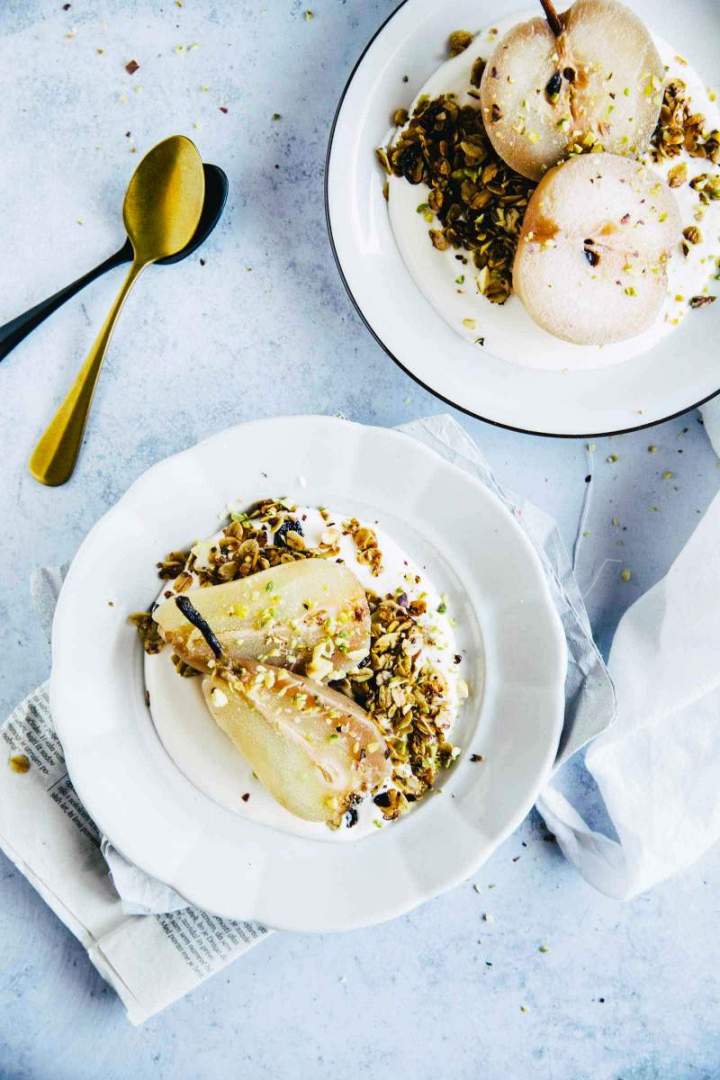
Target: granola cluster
[366, 543]
[478, 200]
[408, 700]
[680, 129]
[267, 535]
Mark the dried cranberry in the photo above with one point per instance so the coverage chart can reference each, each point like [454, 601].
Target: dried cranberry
[287, 526]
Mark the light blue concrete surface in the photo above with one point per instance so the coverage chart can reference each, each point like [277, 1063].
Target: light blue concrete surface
[625, 991]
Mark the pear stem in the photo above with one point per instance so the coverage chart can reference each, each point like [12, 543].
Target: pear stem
[552, 17]
[193, 616]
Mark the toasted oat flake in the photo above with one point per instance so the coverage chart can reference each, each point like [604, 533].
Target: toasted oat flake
[678, 175]
[366, 543]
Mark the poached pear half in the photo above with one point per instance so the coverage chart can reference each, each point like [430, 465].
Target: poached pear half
[598, 83]
[591, 261]
[315, 750]
[310, 615]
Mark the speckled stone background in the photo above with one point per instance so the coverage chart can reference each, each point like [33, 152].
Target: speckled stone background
[263, 328]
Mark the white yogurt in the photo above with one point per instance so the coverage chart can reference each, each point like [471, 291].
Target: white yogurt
[209, 759]
[507, 331]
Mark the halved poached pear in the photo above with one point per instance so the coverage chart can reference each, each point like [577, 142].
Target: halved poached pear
[600, 82]
[311, 615]
[315, 750]
[591, 261]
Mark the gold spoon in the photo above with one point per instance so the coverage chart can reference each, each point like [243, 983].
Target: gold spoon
[162, 207]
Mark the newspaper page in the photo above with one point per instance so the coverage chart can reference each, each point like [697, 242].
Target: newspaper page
[149, 960]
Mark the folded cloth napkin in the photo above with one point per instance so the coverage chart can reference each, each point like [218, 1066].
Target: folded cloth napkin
[658, 767]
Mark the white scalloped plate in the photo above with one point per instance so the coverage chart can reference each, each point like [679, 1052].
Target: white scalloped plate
[681, 371]
[222, 862]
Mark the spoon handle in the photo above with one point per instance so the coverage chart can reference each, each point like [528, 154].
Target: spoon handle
[15, 331]
[53, 459]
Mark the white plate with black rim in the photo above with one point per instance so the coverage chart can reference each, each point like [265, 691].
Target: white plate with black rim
[220, 860]
[678, 373]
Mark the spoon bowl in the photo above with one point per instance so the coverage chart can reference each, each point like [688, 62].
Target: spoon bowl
[216, 193]
[164, 200]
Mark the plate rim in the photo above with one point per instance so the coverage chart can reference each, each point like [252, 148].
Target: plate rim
[374, 333]
[420, 895]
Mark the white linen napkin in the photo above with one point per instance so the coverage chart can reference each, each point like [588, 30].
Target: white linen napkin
[658, 767]
[656, 770]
